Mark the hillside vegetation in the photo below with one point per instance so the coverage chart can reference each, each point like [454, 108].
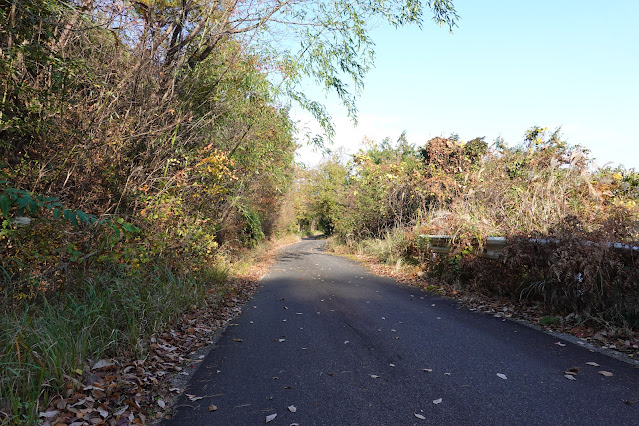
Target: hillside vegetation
[381, 199]
[126, 186]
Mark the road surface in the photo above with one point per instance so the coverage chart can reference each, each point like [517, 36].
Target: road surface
[345, 347]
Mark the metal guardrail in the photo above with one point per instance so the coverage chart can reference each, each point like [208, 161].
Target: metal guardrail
[441, 244]
[494, 246]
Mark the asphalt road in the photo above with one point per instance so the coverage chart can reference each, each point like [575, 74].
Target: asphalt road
[345, 347]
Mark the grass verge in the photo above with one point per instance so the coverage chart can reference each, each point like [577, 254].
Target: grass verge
[50, 344]
[44, 344]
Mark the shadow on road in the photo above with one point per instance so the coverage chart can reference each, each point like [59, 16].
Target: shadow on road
[315, 237]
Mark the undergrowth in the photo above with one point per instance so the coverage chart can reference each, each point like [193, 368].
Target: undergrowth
[44, 342]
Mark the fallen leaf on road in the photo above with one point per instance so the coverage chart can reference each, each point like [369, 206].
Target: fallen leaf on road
[502, 376]
[346, 341]
[161, 403]
[594, 364]
[270, 417]
[569, 377]
[212, 407]
[280, 340]
[102, 364]
[560, 344]
[437, 401]
[428, 370]
[392, 365]
[292, 408]
[606, 373]
[48, 414]
[374, 376]
[237, 340]
[193, 397]
[419, 416]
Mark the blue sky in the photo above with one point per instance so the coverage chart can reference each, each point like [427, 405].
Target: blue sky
[510, 65]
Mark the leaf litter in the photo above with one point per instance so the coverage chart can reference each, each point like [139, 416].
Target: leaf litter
[271, 417]
[126, 390]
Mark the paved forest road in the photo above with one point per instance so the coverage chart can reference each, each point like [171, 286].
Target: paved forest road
[339, 326]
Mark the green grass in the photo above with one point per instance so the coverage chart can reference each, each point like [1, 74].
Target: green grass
[42, 343]
[549, 320]
[390, 249]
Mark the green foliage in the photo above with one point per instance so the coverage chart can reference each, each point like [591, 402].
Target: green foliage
[325, 194]
[549, 320]
[45, 342]
[23, 202]
[252, 233]
[336, 50]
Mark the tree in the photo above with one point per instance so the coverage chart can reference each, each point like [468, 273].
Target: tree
[326, 41]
